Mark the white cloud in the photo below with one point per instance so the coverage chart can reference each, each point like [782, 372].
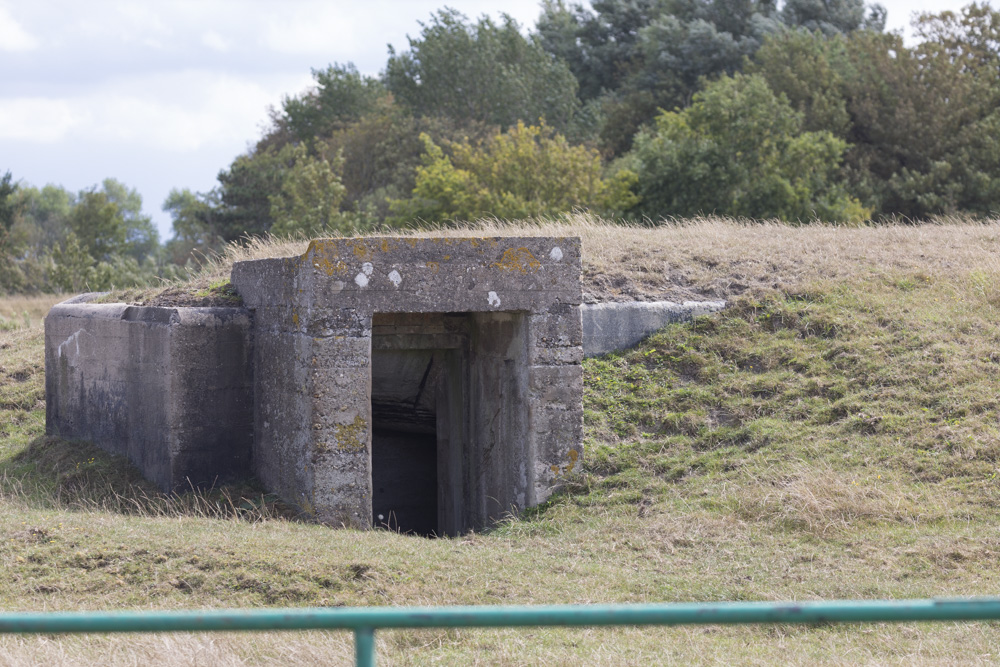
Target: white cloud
[215, 41]
[312, 29]
[39, 120]
[178, 112]
[13, 37]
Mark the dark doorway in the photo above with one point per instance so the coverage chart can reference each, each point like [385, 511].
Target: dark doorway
[421, 479]
[404, 441]
[404, 481]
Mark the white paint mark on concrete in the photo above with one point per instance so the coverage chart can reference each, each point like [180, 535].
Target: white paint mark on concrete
[361, 279]
[367, 268]
[395, 278]
[493, 299]
[556, 254]
[74, 339]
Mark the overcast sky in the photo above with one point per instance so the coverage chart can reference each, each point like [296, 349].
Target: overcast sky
[165, 94]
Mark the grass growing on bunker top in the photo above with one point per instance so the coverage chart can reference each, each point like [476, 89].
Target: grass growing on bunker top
[834, 436]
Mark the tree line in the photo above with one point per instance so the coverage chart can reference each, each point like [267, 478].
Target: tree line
[54, 240]
[632, 109]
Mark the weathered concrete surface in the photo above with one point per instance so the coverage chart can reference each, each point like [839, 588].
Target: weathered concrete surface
[170, 388]
[437, 382]
[508, 406]
[608, 327]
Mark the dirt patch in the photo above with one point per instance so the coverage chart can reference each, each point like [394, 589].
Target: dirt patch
[183, 297]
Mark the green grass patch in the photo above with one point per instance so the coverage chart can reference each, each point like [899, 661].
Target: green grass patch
[839, 440]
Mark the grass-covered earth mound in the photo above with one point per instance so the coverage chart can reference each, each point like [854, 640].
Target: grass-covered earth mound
[834, 433]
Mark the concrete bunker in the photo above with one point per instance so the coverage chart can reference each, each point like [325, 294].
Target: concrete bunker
[428, 385]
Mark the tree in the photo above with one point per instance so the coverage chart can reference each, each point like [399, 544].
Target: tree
[45, 213]
[9, 210]
[308, 203]
[381, 152]
[98, 225]
[740, 150]
[528, 171]
[970, 38]
[74, 268]
[921, 123]
[483, 72]
[812, 71]
[342, 96]
[638, 56]
[601, 47]
[10, 276]
[833, 17]
[195, 237]
[141, 237]
[245, 189]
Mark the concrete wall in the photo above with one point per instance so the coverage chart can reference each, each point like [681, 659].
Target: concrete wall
[608, 327]
[170, 388]
[313, 353]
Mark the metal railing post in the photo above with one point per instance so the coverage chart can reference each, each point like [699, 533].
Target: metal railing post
[364, 647]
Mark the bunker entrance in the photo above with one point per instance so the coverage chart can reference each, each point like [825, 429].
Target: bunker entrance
[449, 407]
[419, 384]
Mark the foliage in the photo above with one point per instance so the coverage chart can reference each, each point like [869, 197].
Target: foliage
[920, 122]
[195, 236]
[308, 203]
[141, 238]
[799, 110]
[528, 171]
[833, 17]
[636, 56]
[244, 193]
[483, 72]
[342, 96]
[97, 238]
[740, 150]
[9, 274]
[8, 206]
[381, 153]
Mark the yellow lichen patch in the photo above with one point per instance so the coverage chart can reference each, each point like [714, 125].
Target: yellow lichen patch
[385, 245]
[519, 259]
[433, 266]
[295, 317]
[568, 468]
[361, 250]
[324, 257]
[573, 456]
[352, 437]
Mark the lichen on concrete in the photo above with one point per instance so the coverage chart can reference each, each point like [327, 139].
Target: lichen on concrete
[519, 298]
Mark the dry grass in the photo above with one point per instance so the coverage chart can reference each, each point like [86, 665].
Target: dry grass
[701, 258]
[24, 312]
[833, 434]
[815, 498]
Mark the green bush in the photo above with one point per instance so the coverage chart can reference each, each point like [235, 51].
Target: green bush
[740, 150]
[524, 172]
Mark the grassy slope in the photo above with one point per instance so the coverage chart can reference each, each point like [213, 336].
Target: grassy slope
[834, 434]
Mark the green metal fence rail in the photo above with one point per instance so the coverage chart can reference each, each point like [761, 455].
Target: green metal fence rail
[364, 621]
